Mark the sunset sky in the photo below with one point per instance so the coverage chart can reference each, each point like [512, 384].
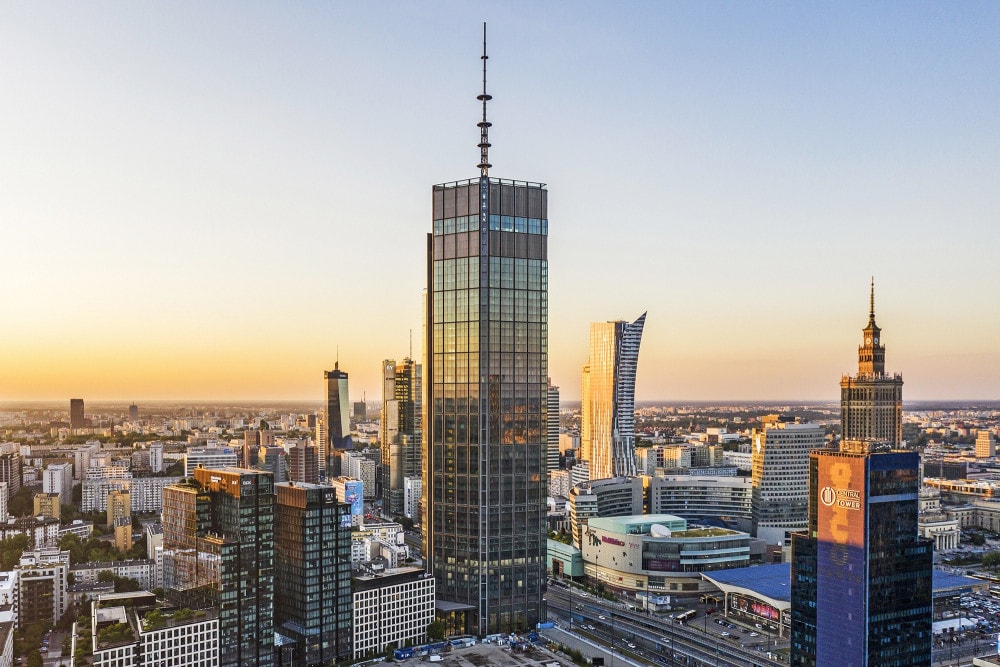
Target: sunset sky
[207, 200]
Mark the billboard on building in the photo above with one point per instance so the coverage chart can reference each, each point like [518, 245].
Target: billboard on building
[840, 566]
[354, 496]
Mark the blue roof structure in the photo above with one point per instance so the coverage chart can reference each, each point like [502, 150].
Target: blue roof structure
[774, 581]
[768, 581]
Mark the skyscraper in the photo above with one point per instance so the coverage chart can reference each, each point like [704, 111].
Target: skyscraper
[861, 575]
[871, 402]
[218, 546]
[486, 392]
[399, 430]
[76, 416]
[338, 417]
[312, 603]
[609, 397]
[780, 475]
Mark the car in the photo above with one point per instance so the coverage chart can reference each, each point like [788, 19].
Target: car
[725, 634]
[630, 645]
[602, 617]
[591, 627]
[755, 634]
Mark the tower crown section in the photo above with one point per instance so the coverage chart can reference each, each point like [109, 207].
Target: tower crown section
[871, 354]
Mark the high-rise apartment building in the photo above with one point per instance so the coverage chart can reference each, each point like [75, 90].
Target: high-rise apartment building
[76, 415]
[218, 551]
[58, 479]
[609, 397]
[338, 414]
[780, 476]
[312, 603]
[552, 429]
[871, 402]
[986, 445]
[861, 575]
[399, 430]
[10, 467]
[486, 367]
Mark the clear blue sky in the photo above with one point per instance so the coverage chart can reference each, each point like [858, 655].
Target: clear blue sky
[206, 200]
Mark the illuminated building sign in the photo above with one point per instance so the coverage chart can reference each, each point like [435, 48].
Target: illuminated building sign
[612, 540]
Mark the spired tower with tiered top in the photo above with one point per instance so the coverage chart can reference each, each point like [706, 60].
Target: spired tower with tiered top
[871, 402]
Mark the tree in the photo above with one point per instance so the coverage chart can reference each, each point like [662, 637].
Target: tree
[11, 550]
[22, 503]
[992, 560]
[436, 630]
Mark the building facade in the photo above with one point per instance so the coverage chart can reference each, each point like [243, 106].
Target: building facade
[76, 414]
[609, 386]
[312, 602]
[780, 475]
[58, 479]
[392, 607]
[986, 445]
[617, 496]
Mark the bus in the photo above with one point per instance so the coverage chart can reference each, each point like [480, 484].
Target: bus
[686, 616]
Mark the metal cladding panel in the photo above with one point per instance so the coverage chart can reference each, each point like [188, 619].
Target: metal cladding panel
[841, 567]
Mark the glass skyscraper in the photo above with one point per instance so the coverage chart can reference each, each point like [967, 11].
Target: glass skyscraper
[486, 373]
[337, 435]
[218, 544]
[399, 431]
[608, 413]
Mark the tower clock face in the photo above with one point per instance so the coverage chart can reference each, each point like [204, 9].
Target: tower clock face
[868, 340]
[876, 341]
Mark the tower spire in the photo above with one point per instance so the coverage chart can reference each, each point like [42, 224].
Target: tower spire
[484, 125]
[871, 303]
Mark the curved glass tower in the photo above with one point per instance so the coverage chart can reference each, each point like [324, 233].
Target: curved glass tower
[609, 397]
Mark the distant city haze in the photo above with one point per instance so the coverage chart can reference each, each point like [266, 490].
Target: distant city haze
[206, 202]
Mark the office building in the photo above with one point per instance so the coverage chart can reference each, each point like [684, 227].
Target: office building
[76, 416]
[780, 474]
[303, 463]
[360, 411]
[400, 429]
[394, 607]
[312, 602]
[210, 457]
[552, 429]
[861, 575]
[133, 412]
[358, 466]
[218, 551]
[352, 492]
[609, 397]
[986, 445]
[58, 479]
[696, 497]
[275, 461]
[486, 366]
[338, 417]
[871, 402]
[412, 495]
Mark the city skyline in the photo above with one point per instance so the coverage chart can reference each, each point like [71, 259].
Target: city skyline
[176, 173]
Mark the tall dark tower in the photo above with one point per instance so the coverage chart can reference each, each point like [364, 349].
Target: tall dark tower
[486, 369]
[871, 402]
[338, 420]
